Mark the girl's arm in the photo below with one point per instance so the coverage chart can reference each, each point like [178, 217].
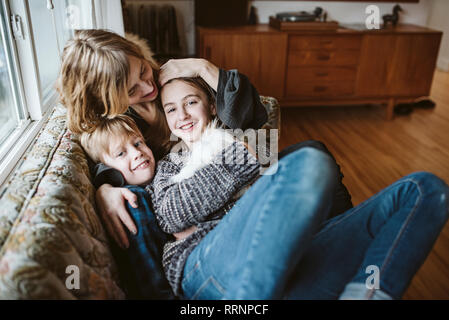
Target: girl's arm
[179, 206]
[238, 102]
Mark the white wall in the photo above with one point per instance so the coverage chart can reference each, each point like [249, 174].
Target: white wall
[438, 19]
[345, 12]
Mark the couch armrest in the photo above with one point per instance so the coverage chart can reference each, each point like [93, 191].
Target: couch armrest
[48, 222]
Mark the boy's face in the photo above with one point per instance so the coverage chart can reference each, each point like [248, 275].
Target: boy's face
[186, 109]
[132, 157]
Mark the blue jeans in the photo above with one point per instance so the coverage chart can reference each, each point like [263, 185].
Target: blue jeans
[341, 200]
[275, 242]
[393, 231]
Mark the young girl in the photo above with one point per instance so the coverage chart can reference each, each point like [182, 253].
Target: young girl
[273, 243]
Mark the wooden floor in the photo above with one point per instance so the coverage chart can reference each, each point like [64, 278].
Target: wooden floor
[373, 153]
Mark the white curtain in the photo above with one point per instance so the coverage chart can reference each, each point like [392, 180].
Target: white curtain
[108, 15]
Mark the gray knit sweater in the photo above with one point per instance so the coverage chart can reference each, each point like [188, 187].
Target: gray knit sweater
[200, 201]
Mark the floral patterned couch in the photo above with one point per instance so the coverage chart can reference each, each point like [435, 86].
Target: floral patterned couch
[48, 222]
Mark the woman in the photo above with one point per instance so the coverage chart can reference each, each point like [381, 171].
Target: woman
[102, 75]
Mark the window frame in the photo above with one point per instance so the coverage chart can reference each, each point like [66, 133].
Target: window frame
[26, 53]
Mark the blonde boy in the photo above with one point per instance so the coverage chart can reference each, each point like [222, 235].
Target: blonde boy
[119, 144]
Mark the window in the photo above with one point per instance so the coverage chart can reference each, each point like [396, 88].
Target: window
[46, 43]
[33, 34]
[53, 23]
[9, 117]
[13, 116]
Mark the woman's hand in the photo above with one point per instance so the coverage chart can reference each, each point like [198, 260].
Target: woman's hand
[111, 204]
[190, 67]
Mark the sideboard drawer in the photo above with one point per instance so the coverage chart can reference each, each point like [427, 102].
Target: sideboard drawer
[319, 74]
[304, 90]
[297, 43]
[323, 58]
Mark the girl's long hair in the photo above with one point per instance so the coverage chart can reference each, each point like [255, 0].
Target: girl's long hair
[93, 79]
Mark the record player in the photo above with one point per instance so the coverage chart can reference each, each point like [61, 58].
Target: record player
[303, 21]
[300, 16]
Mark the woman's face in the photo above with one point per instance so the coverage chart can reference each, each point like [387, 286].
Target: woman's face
[141, 85]
[186, 109]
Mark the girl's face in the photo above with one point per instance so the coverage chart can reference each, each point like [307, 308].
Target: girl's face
[186, 109]
[141, 85]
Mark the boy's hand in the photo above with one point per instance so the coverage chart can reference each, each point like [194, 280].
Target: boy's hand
[111, 204]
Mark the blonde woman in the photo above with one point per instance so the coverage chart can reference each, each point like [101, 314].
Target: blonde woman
[104, 75]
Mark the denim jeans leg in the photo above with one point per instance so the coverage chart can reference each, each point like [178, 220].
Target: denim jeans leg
[251, 252]
[342, 198]
[140, 266]
[389, 236]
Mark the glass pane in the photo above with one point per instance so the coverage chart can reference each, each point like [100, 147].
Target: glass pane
[68, 15]
[8, 114]
[71, 15]
[46, 44]
[62, 12]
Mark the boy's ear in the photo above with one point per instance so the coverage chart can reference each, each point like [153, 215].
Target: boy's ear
[213, 110]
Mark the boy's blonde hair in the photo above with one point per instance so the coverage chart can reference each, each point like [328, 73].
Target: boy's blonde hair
[94, 74]
[97, 143]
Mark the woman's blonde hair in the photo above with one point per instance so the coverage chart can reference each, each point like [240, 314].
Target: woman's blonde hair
[94, 74]
[97, 143]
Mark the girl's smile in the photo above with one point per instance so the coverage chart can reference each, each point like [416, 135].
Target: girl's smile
[187, 127]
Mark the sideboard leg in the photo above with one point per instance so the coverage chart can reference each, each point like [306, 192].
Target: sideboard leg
[390, 109]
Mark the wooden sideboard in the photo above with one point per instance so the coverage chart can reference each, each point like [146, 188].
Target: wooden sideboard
[347, 66]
